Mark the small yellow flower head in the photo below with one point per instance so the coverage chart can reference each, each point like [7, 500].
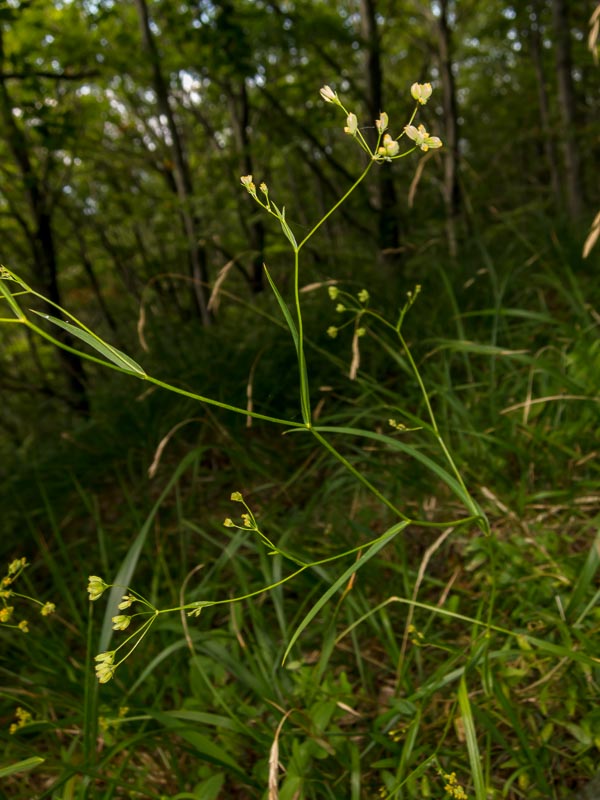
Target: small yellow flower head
[351, 125]
[264, 188]
[399, 426]
[105, 658]
[96, 587]
[6, 613]
[236, 497]
[452, 787]
[126, 601]
[363, 296]
[104, 672]
[47, 609]
[328, 95]
[389, 148]
[23, 626]
[361, 332]
[422, 138]
[333, 292]
[120, 622]
[6, 581]
[396, 734]
[228, 523]
[248, 183]
[382, 123]
[421, 92]
[105, 668]
[5, 593]
[332, 331]
[16, 565]
[23, 718]
[246, 520]
[340, 308]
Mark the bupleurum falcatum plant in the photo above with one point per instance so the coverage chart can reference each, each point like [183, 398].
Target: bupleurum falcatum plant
[141, 613]
[12, 602]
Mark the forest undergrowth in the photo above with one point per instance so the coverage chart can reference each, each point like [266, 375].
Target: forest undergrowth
[377, 578]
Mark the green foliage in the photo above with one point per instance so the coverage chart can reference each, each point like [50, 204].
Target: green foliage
[402, 602]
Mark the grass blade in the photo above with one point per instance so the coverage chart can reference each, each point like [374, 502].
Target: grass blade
[377, 545]
[108, 351]
[471, 738]
[21, 766]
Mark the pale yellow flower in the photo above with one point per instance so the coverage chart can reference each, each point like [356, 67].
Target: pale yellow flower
[120, 622]
[422, 138]
[389, 147]
[421, 92]
[96, 587]
[351, 125]
[382, 123]
[328, 94]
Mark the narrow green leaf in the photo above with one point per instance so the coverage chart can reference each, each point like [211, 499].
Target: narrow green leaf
[129, 563]
[205, 747]
[21, 766]
[584, 580]
[8, 295]
[471, 737]
[377, 545]
[413, 452]
[284, 310]
[108, 351]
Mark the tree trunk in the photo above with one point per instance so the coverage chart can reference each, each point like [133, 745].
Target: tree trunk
[389, 223]
[182, 175]
[535, 46]
[452, 193]
[240, 117]
[41, 239]
[567, 105]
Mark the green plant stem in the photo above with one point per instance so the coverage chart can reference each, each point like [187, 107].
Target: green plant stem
[359, 476]
[334, 208]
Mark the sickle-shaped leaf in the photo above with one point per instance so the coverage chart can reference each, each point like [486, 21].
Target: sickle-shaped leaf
[108, 351]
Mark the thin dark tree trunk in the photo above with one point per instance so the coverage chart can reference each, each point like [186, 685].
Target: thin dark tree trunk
[567, 108]
[389, 223]
[452, 194]
[41, 239]
[182, 175]
[535, 46]
[240, 117]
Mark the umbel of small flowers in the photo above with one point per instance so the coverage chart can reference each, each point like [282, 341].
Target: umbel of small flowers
[8, 596]
[249, 523]
[388, 147]
[106, 664]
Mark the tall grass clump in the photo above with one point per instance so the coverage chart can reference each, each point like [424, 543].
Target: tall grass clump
[359, 628]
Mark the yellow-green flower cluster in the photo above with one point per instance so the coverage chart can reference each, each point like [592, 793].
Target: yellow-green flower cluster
[452, 787]
[422, 138]
[387, 147]
[248, 522]
[105, 666]
[105, 662]
[23, 718]
[350, 305]
[96, 587]
[8, 596]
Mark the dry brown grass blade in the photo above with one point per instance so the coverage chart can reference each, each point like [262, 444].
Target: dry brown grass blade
[274, 760]
[165, 441]
[594, 233]
[412, 189]
[431, 550]
[213, 300]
